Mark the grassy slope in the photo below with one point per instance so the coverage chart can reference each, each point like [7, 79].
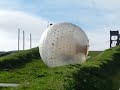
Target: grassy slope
[93, 54]
[35, 75]
[101, 73]
[4, 53]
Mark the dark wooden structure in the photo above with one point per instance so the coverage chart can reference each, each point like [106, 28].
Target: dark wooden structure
[51, 24]
[114, 34]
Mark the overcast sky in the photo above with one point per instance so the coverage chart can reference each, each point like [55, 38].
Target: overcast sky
[95, 17]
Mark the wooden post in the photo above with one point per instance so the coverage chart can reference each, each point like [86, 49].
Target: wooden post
[110, 39]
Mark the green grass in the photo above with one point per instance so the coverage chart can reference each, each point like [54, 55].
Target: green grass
[100, 71]
[93, 54]
[18, 59]
[6, 53]
[27, 68]
[35, 75]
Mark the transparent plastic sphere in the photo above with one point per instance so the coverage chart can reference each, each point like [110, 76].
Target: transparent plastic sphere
[63, 44]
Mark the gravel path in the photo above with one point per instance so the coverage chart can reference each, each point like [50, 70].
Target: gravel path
[8, 85]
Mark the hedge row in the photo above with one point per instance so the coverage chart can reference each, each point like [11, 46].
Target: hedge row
[96, 74]
[18, 59]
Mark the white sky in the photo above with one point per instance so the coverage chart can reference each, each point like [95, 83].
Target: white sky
[95, 17]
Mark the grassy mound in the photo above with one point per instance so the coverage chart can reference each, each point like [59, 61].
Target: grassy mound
[4, 53]
[92, 54]
[100, 71]
[18, 59]
[34, 74]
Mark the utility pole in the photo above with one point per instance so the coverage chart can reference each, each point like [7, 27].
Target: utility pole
[18, 38]
[23, 40]
[30, 41]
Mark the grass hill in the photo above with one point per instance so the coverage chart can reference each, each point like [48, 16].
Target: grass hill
[7, 53]
[100, 72]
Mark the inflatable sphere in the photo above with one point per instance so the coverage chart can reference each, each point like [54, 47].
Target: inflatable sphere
[63, 44]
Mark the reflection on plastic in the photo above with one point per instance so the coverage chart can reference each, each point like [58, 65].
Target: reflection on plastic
[63, 44]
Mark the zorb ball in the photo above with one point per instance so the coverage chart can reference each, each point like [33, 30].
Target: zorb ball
[63, 44]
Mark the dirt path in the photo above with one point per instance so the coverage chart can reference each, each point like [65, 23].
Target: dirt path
[8, 85]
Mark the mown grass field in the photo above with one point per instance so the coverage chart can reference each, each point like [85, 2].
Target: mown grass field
[100, 72]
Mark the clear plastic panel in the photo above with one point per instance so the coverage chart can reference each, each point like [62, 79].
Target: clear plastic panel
[63, 44]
